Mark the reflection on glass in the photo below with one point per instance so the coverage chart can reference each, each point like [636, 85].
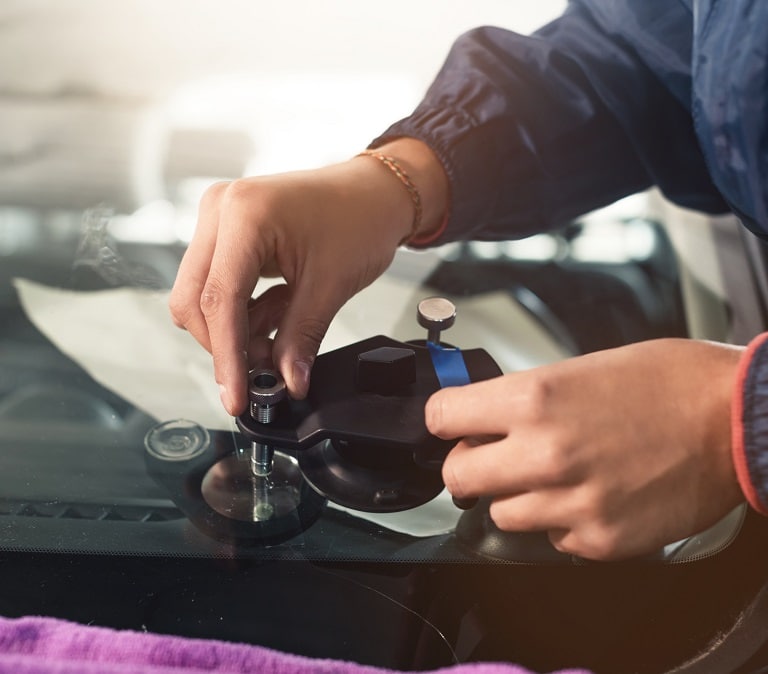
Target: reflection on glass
[232, 490]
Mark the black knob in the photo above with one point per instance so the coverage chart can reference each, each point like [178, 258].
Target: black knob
[386, 370]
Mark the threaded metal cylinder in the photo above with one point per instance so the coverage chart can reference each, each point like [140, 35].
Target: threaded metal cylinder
[266, 389]
[264, 414]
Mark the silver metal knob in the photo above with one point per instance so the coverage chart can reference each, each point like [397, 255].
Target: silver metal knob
[266, 388]
[435, 314]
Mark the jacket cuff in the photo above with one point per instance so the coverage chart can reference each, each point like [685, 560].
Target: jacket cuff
[749, 424]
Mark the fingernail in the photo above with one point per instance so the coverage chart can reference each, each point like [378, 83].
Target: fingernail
[225, 397]
[301, 371]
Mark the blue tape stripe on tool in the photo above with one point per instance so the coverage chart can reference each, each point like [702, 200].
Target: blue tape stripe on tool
[450, 368]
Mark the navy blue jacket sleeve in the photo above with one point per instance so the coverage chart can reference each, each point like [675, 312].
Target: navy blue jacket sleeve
[536, 130]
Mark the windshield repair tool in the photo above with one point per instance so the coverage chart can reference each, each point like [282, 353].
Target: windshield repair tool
[360, 436]
[358, 439]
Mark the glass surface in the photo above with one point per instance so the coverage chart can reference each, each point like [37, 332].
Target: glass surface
[89, 463]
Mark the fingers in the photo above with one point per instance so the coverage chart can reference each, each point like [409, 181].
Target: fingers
[571, 517]
[211, 295]
[202, 303]
[193, 271]
[224, 300]
[517, 463]
[533, 511]
[301, 332]
[266, 312]
[264, 316]
[473, 468]
[485, 407]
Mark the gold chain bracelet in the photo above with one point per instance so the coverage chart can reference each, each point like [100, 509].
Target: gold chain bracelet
[393, 165]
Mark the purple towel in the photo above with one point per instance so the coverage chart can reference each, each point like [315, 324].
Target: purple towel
[34, 645]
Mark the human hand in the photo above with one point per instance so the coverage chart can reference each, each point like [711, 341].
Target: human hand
[614, 453]
[328, 233]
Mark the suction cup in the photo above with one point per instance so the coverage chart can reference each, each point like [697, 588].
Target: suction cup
[231, 489]
[177, 440]
[262, 508]
[216, 488]
[477, 533]
[368, 478]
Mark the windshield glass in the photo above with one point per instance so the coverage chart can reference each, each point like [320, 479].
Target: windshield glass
[109, 159]
[94, 372]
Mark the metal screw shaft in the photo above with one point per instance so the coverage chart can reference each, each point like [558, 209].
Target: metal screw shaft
[266, 388]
